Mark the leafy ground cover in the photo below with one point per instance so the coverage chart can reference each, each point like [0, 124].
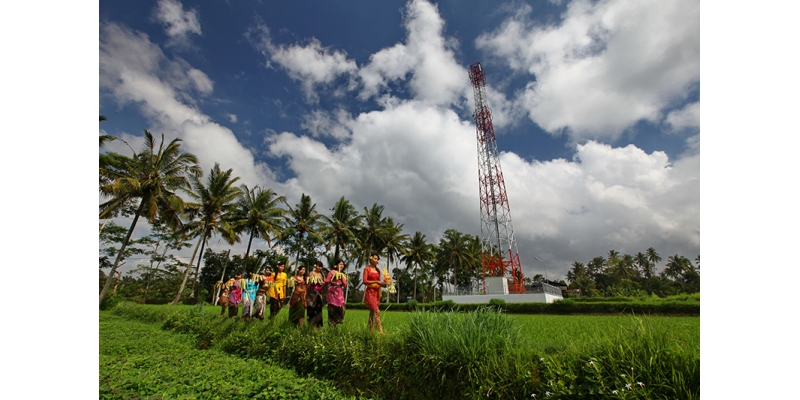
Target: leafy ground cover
[478, 354]
[139, 360]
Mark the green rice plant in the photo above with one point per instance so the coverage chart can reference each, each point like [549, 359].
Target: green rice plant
[476, 354]
[458, 352]
[640, 360]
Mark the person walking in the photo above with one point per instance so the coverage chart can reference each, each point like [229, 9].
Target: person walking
[235, 296]
[314, 285]
[249, 296]
[225, 291]
[261, 294]
[277, 293]
[336, 281]
[297, 304]
[372, 295]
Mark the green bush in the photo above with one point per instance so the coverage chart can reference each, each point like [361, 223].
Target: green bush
[497, 302]
[446, 305]
[110, 302]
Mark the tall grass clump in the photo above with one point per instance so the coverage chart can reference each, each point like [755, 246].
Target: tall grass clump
[459, 353]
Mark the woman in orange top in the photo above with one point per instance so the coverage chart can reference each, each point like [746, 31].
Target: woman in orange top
[297, 304]
[372, 298]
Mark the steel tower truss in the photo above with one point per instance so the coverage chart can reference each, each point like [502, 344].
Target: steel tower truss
[500, 254]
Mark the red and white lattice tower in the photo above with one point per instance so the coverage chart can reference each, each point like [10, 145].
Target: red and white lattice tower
[500, 254]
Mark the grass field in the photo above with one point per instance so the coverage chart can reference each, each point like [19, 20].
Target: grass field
[140, 360]
[462, 355]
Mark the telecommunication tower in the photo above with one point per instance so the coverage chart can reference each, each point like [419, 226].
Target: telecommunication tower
[499, 255]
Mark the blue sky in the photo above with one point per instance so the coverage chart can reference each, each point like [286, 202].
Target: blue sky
[595, 105]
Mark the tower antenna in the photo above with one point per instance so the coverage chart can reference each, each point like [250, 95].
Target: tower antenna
[499, 248]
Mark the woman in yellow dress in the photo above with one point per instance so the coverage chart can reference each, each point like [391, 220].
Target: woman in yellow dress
[277, 292]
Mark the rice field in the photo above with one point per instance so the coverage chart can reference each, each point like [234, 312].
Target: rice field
[480, 354]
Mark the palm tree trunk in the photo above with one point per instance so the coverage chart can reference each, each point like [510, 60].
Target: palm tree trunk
[347, 288]
[188, 268]
[415, 283]
[116, 285]
[150, 275]
[297, 258]
[455, 280]
[121, 251]
[164, 254]
[104, 224]
[197, 270]
[247, 253]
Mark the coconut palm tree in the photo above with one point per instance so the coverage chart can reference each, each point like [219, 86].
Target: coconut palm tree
[153, 176]
[596, 266]
[392, 240]
[577, 270]
[213, 207]
[676, 266]
[260, 214]
[455, 253]
[644, 264]
[339, 230]
[372, 231]
[646, 267]
[105, 138]
[417, 253]
[303, 223]
[585, 284]
[653, 257]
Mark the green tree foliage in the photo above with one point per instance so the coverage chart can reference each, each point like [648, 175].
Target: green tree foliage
[457, 255]
[259, 214]
[301, 234]
[393, 241]
[371, 233]
[152, 176]
[626, 275]
[340, 229]
[354, 295]
[417, 254]
[111, 238]
[211, 212]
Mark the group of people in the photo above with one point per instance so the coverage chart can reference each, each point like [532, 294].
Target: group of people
[254, 292]
[306, 299]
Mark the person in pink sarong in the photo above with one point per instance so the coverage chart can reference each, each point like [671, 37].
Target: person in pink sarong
[235, 297]
[336, 281]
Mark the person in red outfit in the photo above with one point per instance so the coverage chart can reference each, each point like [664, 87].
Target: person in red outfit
[372, 297]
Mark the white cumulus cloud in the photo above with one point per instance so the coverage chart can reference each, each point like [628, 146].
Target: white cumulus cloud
[178, 24]
[605, 65]
[685, 118]
[135, 71]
